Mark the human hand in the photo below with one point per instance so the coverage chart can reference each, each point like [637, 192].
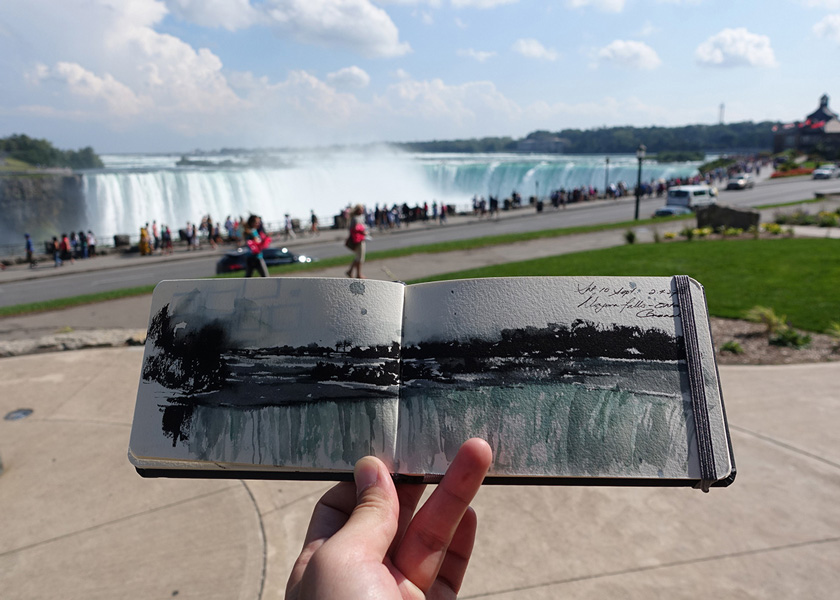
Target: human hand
[370, 544]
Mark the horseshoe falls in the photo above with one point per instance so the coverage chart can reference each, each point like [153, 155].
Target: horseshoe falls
[135, 189]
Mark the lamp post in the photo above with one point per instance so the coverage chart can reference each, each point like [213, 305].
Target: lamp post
[640, 155]
[607, 179]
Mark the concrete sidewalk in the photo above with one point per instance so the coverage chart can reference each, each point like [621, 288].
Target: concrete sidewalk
[78, 523]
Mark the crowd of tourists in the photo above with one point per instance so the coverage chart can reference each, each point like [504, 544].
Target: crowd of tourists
[68, 248]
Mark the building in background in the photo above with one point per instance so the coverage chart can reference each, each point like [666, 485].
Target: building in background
[819, 132]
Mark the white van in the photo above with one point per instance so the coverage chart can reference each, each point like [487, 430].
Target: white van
[692, 196]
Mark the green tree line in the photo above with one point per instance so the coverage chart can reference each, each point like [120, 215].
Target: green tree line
[41, 153]
[624, 140]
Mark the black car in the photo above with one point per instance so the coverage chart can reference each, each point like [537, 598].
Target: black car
[236, 260]
[670, 210]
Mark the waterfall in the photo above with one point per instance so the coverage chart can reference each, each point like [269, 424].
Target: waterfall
[136, 189]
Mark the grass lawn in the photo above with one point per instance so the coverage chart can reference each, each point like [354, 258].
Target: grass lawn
[799, 278]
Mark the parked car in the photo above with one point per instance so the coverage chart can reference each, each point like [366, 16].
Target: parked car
[741, 181]
[826, 172]
[691, 196]
[670, 210]
[236, 260]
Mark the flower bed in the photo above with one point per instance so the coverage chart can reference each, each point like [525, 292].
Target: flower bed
[792, 172]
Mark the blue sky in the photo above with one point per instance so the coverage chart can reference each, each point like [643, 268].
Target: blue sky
[176, 75]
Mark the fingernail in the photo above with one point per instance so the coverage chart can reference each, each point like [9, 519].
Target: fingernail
[366, 475]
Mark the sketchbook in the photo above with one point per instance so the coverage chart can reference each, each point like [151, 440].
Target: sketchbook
[572, 380]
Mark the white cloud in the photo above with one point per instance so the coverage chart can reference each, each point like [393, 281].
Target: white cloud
[118, 98]
[229, 14]
[458, 105]
[349, 77]
[116, 69]
[615, 6]
[631, 54]
[432, 3]
[460, 24]
[829, 27]
[479, 55]
[480, 3]
[531, 48]
[648, 29]
[734, 48]
[355, 24]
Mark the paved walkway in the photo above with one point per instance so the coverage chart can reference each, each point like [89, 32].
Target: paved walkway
[78, 522]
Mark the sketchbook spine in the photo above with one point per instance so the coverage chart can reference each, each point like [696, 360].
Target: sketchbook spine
[699, 404]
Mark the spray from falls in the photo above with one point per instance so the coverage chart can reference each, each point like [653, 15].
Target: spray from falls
[120, 200]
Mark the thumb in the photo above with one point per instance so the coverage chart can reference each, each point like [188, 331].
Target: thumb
[373, 523]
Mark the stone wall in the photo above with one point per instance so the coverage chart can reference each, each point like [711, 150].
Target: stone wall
[715, 216]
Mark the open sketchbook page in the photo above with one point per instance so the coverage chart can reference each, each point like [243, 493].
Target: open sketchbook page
[569, 377]
[288, 373]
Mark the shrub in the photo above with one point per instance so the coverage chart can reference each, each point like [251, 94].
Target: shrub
[834, 331]
[772, 228]
[732, 347]
[670, 235]
[630, 236]
[797, 217]
[828, 219]
[732, 232]
[687, 233]
[767, 316]
[790, 338]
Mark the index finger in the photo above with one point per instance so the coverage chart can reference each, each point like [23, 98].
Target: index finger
[427, 538]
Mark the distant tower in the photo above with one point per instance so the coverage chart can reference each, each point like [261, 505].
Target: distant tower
[722, 106]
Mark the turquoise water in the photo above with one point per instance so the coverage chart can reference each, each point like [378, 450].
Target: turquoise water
[563, 429]
[320, 435]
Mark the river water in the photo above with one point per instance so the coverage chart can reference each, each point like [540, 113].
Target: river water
[135, 189]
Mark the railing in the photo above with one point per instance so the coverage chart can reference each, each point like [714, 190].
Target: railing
[12, 251]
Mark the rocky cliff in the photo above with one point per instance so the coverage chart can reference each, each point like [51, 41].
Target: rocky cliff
[41, 204]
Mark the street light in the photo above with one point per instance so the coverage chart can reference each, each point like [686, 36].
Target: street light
[607, 179]
[640, 155]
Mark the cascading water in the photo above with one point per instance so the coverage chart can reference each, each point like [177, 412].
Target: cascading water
[134, 190]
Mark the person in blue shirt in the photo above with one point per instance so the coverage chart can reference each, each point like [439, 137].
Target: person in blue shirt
[30, 252]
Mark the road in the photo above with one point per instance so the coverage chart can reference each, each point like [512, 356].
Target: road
[130, 272]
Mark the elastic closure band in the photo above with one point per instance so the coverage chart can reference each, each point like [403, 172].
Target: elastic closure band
[696, 384]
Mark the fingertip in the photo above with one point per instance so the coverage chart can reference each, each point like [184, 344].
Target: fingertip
[480, 452]
[367, 473]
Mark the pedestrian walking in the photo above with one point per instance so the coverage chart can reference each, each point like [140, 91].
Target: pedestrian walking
[313, 223]
[288, 228]
[83, 245]
[356, 237]
[91, 240]
[257, 242]
[30, 252]
[56, 248]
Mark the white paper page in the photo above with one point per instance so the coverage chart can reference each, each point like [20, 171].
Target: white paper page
[571, 377]
[289, 373]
